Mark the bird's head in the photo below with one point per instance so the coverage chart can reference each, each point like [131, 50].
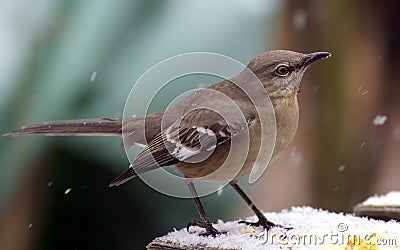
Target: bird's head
[281, 71]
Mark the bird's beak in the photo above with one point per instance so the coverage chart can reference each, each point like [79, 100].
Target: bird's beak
[313, 57]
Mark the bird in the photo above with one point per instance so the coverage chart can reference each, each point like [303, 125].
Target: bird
[198, 143]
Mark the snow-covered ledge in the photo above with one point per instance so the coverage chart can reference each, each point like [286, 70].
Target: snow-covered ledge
[312, 229]
[384, 207]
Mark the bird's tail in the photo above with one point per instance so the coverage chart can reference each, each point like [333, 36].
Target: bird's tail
[82, 127]
[124, 177]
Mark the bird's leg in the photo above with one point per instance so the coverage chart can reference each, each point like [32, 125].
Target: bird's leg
[205, 222]
[262, 221]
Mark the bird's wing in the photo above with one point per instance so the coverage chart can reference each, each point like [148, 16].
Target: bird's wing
[192, 136]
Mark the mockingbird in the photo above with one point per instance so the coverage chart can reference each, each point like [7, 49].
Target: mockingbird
[202, 130]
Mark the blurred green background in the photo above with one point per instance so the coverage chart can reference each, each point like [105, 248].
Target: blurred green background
[54, 191]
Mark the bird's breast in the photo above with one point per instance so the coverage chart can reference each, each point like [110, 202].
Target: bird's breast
[231, 163]
[287, 118]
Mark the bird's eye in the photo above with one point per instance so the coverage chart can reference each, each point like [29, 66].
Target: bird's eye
[282, 70]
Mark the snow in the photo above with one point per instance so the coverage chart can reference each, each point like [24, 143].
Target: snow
[390, 199]
[299, 20]
[312, 229]
[93, 76]
[379, 120]
[341, 168]
[360, 89]
[67, 191]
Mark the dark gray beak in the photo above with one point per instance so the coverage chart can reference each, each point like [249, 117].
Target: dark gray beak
[313, 57]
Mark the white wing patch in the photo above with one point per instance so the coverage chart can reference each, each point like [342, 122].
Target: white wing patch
[177, 149]
[183, 153]
[204, 131]
[192, 146]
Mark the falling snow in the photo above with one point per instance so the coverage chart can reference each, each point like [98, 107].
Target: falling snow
[379, 120]
[93, 76]
[299, 20]
[360, 90]
[67, 191]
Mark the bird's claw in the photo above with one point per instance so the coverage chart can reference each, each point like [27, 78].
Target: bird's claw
[265, 224]
[210, 230]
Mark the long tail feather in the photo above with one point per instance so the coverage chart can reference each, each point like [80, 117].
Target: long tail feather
[83, 127]
[124, 177]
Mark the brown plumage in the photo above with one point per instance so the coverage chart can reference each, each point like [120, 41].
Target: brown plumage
[198, 143]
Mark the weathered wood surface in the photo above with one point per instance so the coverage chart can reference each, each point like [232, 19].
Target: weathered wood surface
[161, 245]
[385, 213]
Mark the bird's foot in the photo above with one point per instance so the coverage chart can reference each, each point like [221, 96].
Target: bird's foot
[263, 222]
[210, 230]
